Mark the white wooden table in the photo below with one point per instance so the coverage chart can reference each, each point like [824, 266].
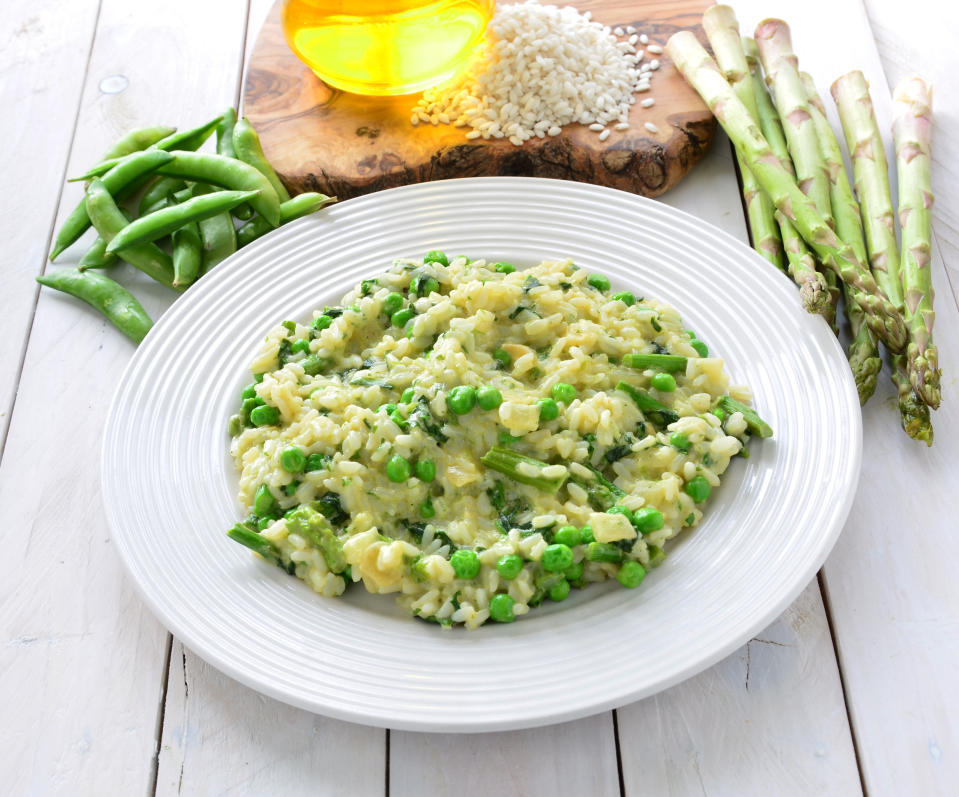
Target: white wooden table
[854, 689]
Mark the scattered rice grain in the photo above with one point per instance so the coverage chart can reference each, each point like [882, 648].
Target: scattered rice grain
[604, 135]
[648, 102]
[651, 127]
[655, 49]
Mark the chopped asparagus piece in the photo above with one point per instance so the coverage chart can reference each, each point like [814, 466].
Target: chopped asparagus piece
[509, 462]
[754, 424]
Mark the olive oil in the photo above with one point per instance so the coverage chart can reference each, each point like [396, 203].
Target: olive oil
[384, 47]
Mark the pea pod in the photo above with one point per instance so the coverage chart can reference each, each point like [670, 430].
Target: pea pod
[187, 255]
[248, 149]
[228, 173]
[120, 176]
[109, 220]
[109, 297]
[300, 205]
[157, 193]
[163, 222]
[224, 134]
[137, 140]
[96, 256]
[188, 140]
[217, 233]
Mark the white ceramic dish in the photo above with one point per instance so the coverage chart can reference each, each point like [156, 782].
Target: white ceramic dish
[169, 486]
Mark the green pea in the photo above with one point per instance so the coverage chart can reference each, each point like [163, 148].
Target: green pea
[625, 297]
[398, 418]
[389, 408]
[314, 364]
[598, 281]
[663, 382]
[292, 459]
[425, 470]
[264, 415]
[698, 489]
[426, 509]
[248, 392]
[701, 348]
[631, 574]
[263, 502]
[249, 405]
[436, 256]
[557, 557]
[548, 409]
[679, 440]
[647, 519]
[690, 334]
[568, 535]
[461, 399]
[300, 346]
[586, 535]
[563, 392]
[574, 572]
[407, 396]
[290, 489]
[509, 566]
[398, 469]
[466, 563]
[503, 359]
[501, 608]
[488, 398]
[424, 286]
[316, 462]
[392, 303]
[257, 378]
[656, 556]
[620, 510]
[504, 268]
[401, 317]
[559, 591]
[321, 322]
[264, 523]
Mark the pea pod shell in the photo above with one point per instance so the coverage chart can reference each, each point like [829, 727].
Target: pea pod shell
[137, 140]
[298, 206]
[120, 307]
[96, 256]
[164, 221]
[218, 234]
[109, 220]
[224, 134]
[228, 173]
[187, 255]
[246, 143]
[121, 175]
[159, 191]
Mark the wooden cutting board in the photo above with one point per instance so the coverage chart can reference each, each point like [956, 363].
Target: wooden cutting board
[322, 139]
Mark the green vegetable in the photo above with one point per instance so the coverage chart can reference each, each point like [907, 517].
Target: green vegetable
[668, 363]
[392, 303]
[425, 470]
[435, 256]
[598, 281]
[548, 409]
[679, 441]
[488, 398]
[401, 317]
[504, 268]
[698, 489]
[586, 534]
[263, 502]
[604, 552]
[501, 608]
[564, 392]
[631, 574]
[407, 396]
[316, 462]
[313, 527]
[461, 399]
[568, 535]
[398, 469]
[651, 409]
[754, 424]
[507, 462]
[663, 382]
[293, 460]
[264, 415]
[257, 543]
[427, 510]
[466, 563]
[503, 359]
[647, 519]
[559, 591]
[509, 566]
[701, 348]
[557, 557]
[187, 255]
[246, 144]
[115, 302]
[625, 297]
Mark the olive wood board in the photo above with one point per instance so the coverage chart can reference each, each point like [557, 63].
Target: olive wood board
[322, 139]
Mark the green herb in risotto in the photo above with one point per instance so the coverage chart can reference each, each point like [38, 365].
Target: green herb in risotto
[477, 439]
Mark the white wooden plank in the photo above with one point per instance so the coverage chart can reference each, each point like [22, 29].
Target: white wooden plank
[890, 580]
[575, 758]
[45, 48]
[221, 738]
[768, 719]
[85, 656]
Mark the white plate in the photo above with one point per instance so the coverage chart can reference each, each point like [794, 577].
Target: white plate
[170, 489]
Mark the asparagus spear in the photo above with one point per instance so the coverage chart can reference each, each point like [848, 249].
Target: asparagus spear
[670, 363]
[913, 411]
[912, 135]
[864, 359]
[722, 29]
[701, 72]
[813, 290]
[525, 470]
[782, 75]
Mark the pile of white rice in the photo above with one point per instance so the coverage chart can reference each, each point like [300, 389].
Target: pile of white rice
[540, 68]
[557, 327]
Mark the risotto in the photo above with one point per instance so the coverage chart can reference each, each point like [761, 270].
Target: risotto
[477, 439]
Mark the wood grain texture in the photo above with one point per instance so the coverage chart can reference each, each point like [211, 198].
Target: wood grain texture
[322, 139]
[83, 659]
[769, 719]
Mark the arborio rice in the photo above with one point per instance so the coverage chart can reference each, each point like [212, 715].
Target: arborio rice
[478, 439]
